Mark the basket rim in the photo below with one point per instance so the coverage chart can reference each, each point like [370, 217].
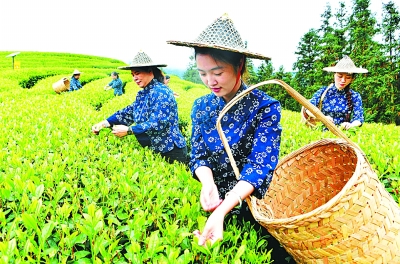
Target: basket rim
[352, 180]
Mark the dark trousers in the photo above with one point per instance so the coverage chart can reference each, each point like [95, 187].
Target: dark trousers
[176, 154]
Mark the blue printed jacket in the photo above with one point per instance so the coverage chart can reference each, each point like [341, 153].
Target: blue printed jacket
[74, 84]
[252, 128]
[116, 84]
[154, 112]
[335, 104]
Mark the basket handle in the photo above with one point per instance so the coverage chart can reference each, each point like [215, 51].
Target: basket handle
[298, 97]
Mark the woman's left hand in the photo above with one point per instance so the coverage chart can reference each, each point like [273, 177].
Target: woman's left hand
[120, 130]
[97, 127]
[213, 230]
[347, 125]
[209, 197]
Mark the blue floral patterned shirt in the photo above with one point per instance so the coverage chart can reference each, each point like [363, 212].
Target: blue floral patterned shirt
[116, 84]
[252, 128]
[74, 84]
[155, 113]
[335, 104]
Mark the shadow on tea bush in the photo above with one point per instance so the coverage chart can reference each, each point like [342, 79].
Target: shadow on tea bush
[30, 81]
[188, 87]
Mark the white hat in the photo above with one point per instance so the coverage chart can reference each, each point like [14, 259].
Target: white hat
[345, 65]
[76, 72]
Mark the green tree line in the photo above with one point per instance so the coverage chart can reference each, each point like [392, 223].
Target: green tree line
[354, 31]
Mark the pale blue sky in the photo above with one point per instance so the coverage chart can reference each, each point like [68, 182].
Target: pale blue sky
[120, 28]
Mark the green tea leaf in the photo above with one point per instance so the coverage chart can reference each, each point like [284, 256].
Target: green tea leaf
[240, 252]
[12, 244]
[47, 230]
[29, 221]
[81, 254]
[39, 191]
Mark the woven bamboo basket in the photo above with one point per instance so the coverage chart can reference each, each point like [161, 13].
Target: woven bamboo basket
[61, 86]
[325, 204]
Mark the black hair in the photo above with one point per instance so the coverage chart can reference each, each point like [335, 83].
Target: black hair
[115, 74]
[156, 72]
[233, 58]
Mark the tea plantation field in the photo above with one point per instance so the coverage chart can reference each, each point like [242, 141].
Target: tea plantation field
[69, 196]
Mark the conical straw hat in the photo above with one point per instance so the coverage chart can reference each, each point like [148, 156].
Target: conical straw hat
[221, 34]
[345, 65]
[141, 60]
[76, 72]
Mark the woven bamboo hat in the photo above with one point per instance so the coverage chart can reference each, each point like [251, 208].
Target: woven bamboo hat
[345, 65]
[221, 34]
[141, 60]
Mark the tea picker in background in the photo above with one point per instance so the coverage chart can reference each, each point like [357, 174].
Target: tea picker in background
[342, 105]
[153, 116]
[252, 127]
[75, 84]
[115, 84]
[167, 78]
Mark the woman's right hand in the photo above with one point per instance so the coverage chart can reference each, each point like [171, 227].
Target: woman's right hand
[209, 197]
[213, 230]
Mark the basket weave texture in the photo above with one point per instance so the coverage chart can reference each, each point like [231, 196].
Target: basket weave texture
[61, 85]
[326, 205]
[223, 35]
[141, 59]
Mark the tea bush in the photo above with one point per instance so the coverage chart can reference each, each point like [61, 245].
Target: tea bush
[69, 196]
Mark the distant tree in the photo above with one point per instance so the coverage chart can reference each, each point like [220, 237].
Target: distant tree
[307, 53]
[391, 40]
[265, 71]
[391, 31]
[333, 43]
[362, 30]
[340, 29]
[327, 47]
[250, 76]
[366, 52]
[286, 100]
[191, 74]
